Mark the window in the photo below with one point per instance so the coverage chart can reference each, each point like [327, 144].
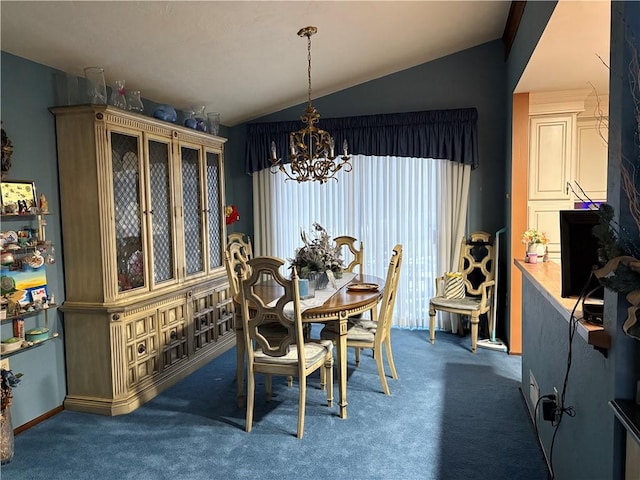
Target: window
[382, 202]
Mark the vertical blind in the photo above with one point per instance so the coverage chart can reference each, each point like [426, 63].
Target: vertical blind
[382, 202]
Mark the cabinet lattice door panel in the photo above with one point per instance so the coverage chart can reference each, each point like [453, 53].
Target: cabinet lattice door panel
[143, 227]
[126, 174]
[214, 210]
[160, 212]
[192, 201]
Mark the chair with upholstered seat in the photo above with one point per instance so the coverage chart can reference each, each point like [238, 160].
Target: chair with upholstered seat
[375, 335]
[236, 258]
[355, 257]
[288, 355]
[477, 268]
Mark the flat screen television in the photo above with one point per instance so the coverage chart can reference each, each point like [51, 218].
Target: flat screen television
[578, 252]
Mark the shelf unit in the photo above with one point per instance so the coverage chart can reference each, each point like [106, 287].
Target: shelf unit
[20, 252]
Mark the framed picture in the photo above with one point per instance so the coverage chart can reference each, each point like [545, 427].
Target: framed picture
[18, 196]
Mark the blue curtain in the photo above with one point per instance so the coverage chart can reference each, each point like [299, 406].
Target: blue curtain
[442, 134]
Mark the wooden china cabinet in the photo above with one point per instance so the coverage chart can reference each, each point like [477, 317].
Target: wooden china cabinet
[147, 298]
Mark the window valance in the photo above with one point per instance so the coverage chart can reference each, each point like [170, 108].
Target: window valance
[443, 134]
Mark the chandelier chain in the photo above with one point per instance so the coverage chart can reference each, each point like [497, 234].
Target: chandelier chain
[309, 67]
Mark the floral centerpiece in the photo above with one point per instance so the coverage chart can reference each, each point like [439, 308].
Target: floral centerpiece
[318, 254]
[535, 241]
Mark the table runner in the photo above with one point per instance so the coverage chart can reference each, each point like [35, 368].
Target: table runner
[320, 297]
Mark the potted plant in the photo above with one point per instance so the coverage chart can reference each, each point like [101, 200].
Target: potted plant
[535, 241]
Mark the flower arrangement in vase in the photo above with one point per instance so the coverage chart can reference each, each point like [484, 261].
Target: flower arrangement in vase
[536, 243]
[8, 382]
[318, 254]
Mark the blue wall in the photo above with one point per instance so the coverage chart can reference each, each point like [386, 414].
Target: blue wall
[584, 444]
[591, 444]
[27, 92]
[472, 78]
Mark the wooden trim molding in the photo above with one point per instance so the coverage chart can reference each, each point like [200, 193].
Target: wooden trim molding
[37, 420]
[519, 196]
[511, 26]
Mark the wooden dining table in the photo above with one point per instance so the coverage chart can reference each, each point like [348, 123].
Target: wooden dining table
[334, 312]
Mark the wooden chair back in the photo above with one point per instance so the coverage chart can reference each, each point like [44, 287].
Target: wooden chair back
[243, 240]
[385, 315]
[356, 255]
[235, 259]
[255, 313]
[477, 262]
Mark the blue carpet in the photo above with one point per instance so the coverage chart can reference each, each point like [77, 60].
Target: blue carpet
[452, 415]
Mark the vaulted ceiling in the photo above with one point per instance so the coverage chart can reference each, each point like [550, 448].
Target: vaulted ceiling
[244, 58]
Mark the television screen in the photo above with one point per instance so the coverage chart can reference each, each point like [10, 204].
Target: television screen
[578, 252]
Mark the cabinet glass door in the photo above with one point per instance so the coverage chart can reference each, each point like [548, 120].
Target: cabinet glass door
[214, 216]
[126, 172]
[192, 207]
[159, 212]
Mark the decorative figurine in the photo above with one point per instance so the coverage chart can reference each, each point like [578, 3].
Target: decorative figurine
[44, 204]
[7, 151]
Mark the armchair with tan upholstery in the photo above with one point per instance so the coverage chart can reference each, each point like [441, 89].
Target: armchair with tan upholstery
[477, 266]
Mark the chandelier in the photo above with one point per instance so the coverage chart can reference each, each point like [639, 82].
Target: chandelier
[312, 150]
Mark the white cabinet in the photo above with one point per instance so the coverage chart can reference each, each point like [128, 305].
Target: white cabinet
[544, 216]
[591, 159]
[550, 156]
[567, 153]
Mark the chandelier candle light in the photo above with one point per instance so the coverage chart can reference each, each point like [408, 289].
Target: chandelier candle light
[312, 149]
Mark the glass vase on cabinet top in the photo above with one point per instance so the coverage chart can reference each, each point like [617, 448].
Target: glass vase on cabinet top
[134, 102]
[118, 98]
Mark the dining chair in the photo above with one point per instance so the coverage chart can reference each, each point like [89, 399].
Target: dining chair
[375, 335]
[356, 256]
[288, 355]
[477, 268]
[243, 240]
[236, 259]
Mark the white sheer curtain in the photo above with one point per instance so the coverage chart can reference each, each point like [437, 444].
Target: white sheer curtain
[419, 203]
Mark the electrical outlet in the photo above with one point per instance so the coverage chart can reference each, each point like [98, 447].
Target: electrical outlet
[534, 390]
[4, 364]
[556, 396]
